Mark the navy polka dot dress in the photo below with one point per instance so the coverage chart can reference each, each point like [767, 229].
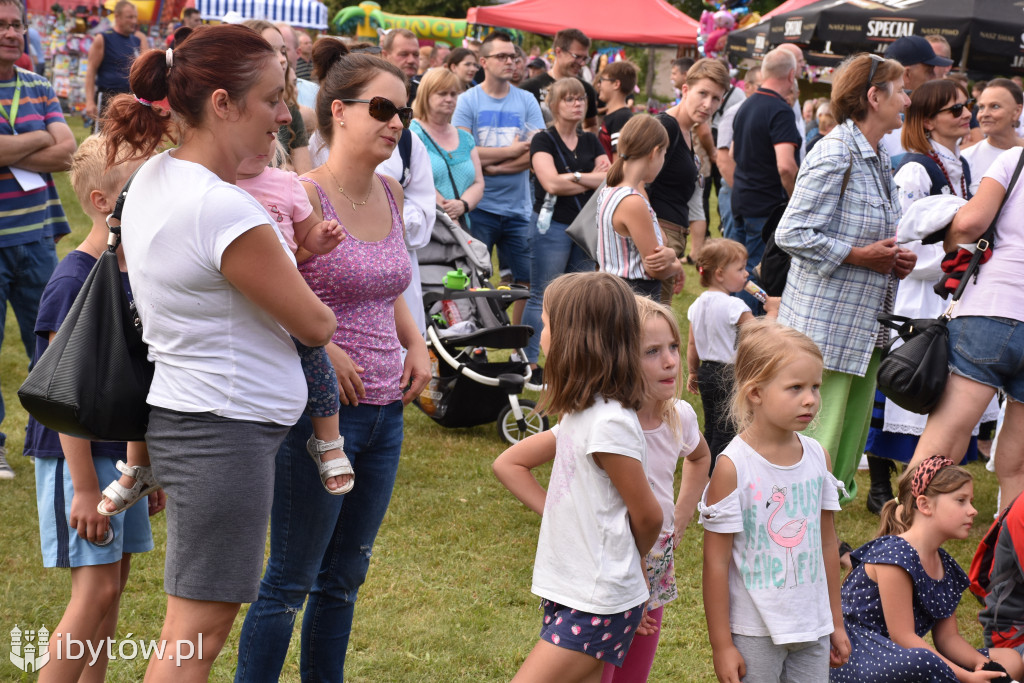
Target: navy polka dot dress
[875, 658]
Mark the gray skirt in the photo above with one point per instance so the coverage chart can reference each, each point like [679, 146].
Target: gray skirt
[218, 474]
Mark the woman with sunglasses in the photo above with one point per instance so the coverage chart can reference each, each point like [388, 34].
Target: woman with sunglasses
[938, 117]
[840, 228]
[568, 165]
[999, 110]
[320, 544]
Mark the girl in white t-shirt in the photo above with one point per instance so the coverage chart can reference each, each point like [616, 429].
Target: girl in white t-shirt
[670, 432]
[600, 517]
[769, 540]
[715, 317]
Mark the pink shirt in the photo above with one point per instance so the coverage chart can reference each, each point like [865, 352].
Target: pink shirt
[281, 194]
[360, 281]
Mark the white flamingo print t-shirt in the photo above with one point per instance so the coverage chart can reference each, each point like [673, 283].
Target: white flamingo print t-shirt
[777, 584]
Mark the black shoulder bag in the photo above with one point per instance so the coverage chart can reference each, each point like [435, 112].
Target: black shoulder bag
[93, 379]
[462, 219]
[914, 375]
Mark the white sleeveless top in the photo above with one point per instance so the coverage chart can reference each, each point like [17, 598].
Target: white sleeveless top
[616, 254]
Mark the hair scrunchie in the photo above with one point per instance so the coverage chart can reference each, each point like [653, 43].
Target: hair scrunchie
[143, 102]
[169, 56]
[926, 472]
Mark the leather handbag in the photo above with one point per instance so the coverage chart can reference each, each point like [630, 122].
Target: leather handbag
[93, 379]
[583, 229]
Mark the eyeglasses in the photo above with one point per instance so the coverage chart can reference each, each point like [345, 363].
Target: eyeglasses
[383, 109]
[578, 58]
[575, 99]
[17, 26]
[503, 56]
[957, 110]
[875, 61]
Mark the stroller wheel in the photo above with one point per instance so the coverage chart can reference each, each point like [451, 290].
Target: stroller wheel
[510, 431]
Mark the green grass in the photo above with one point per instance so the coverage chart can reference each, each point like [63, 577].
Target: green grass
[447, 597]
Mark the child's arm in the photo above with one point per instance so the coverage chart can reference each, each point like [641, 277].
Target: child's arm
[693, 481]
[839, 652]
[85, 518]
[949, 642]
[318, 236]
[628, 477]
[692, 364]
[513, 468]
[729, 664]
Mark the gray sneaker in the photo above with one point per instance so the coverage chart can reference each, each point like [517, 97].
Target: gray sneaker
[5, 470]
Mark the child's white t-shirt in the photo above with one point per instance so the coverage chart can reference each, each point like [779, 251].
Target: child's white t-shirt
[215, 351]
[713, 318]
[284, 198]
[664, 448]
[777, 584]
[586, 554]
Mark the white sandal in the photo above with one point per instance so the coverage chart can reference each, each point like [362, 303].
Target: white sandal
[123, 498]
[338, 467]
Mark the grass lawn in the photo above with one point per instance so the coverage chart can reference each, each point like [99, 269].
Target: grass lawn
[448, 593]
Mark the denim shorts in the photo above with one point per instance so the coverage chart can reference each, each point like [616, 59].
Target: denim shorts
[989, 351]
[603, 636]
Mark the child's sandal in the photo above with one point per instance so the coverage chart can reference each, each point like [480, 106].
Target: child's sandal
[123, 498]
[338, 467]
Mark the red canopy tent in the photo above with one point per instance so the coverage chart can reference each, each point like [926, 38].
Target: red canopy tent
[640, 22]
[788, 6]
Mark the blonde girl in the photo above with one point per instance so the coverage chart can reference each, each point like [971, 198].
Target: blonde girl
[601, 517]
[904, 585]
[769, 541]
[670, 432]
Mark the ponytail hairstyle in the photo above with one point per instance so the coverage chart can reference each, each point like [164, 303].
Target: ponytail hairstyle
[765, 347]
[641, 135]
[650, 311]
[718, 253]
[344, 76]
[226, 57]
[594, 328]
[931, 477]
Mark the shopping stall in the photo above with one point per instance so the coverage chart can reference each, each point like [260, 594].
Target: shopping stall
[301, 13]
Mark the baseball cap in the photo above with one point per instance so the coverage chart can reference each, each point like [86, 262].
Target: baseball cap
[537, 63]
[911, 50]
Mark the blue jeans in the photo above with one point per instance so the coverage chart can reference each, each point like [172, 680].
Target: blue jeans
[24, 271]
[552, 253]
[725, 212]
[509, 232]
[989, 351]
[320, 546]
[749, 232]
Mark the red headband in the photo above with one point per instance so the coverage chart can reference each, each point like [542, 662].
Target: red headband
[926, 472]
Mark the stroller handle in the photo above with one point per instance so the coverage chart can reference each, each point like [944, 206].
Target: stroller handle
[506, 296]
[462, 369]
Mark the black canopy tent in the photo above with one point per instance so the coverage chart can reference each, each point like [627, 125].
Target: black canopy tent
[989, 31]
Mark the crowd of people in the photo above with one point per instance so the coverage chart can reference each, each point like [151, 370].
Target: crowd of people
[270, 250]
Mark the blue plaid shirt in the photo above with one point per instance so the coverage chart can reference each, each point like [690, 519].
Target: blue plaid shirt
[832, 302]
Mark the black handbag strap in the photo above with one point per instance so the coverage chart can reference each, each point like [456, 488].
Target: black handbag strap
[114, 240]
[442, 154]
[558, 148]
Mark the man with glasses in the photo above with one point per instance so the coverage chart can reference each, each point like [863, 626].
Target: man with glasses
[571, 48]
[34, 142]
[501, 119]
[110, 59]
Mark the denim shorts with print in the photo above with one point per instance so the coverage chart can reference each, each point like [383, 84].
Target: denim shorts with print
[989, 351]
[603, 636]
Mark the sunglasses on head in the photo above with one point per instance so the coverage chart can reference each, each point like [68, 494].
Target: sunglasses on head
[957, 110]
[383, 109]
[875, 61]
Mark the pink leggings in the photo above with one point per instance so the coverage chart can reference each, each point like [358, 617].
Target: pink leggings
[639, 659]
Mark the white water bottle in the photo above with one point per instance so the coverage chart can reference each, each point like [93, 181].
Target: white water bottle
[547, 209]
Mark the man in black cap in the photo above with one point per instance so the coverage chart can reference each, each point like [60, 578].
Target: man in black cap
[916, 54]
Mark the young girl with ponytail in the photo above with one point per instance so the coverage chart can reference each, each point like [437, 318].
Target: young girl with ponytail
[904, 585]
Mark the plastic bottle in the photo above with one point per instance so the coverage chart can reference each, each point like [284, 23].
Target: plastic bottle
[547, 209]
[455, 280]
[429, 391]
[753, 290]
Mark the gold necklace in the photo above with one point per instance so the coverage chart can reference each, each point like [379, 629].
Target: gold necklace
[342, 190]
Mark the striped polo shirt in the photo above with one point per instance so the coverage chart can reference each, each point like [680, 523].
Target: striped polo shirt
[29, 216]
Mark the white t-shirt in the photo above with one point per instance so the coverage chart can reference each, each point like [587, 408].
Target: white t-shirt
[777, 584]
[980, 157]
[998, 293]
[713, 318]
[586, 554]
[664, 449]
[214, 350]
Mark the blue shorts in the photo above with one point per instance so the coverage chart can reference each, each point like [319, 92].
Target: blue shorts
[989, 351]
[61, 545]
[603, 636]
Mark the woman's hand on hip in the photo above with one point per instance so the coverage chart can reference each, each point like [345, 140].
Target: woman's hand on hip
[350, 384]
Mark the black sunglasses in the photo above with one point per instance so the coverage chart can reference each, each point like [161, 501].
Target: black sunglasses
[383, 109]
[875, 61]
[957, 110]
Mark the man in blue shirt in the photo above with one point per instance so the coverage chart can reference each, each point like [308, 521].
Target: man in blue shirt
[111, 57]
[501, 118]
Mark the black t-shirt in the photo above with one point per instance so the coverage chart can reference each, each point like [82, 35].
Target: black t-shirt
[581, 159]
[610, 127]
[762, 121]
[675, 184]
[538, 86]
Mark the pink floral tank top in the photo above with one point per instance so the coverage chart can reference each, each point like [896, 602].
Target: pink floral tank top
[360, 282]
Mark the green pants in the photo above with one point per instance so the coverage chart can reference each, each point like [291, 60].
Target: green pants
[843, 421]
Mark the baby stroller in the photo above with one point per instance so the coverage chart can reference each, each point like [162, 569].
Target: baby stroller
[466, 324]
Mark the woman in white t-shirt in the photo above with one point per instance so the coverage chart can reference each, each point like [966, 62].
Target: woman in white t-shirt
[999, 110]
[218, 294]
[986, 336]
